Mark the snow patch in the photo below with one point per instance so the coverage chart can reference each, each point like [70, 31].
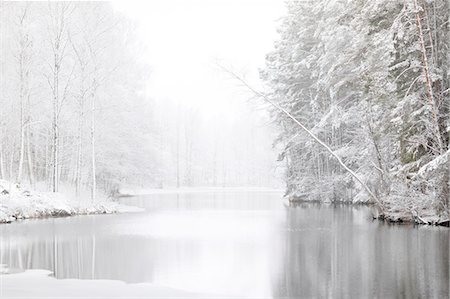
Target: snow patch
[39, 284]
[16, 203]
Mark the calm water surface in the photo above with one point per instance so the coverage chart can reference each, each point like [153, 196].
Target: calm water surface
[239, 244]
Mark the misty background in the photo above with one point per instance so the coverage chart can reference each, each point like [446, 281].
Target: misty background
[138, 96]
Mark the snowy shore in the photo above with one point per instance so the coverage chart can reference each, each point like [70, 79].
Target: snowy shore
[392, 215]
[425, 217]
[39, 284]
[17, 203]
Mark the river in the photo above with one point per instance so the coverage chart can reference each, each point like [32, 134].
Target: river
[238, 244]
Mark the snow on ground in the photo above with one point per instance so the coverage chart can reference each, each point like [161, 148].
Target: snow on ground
[17, 203]
[39, 284]
[136, 192]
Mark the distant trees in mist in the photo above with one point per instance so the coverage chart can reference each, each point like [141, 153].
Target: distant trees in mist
[73, 110]
[194, 149]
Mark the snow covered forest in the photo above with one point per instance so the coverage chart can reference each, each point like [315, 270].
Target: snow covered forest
[359, 93]
[65, 77]
[371, 80]
[241, 149]
[75, 116]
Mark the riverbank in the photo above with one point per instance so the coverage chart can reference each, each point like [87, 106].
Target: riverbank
[234, 245]
[392, 215]
[17, 203]
[424, 217]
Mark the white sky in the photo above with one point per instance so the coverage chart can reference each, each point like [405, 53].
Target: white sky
[185, 39]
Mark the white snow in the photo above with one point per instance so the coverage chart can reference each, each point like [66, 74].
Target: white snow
[440, 162]
[17, 203]
[39, 284]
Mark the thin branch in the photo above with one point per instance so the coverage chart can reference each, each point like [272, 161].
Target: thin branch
[276, 106]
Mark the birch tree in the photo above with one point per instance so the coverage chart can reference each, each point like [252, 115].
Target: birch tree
[24, 57]
[59, 13]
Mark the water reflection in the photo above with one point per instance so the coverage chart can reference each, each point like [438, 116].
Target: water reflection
[337, 252]
[241, 244]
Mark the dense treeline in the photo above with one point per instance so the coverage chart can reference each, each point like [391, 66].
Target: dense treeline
[69, 99]
[371, 80]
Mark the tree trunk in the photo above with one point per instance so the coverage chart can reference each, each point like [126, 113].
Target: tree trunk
[2, 157]
[178, 145]
[22, 124]
[428, 81]
[29, 157]
[79, 155]
[22, 145]
[2, 165]
[46, 170]
[55, 163]
[93, 171]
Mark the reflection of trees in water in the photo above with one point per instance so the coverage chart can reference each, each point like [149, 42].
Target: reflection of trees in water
[84, 247]
[320, 251]
[327, 253]
[86, 255]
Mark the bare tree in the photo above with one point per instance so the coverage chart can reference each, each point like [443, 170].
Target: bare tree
[59, 14]
[24, 59]
[81, 50]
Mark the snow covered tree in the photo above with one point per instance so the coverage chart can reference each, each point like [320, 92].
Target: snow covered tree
[370, 79]
[67, 68]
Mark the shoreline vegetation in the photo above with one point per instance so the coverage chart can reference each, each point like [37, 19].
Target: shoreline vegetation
[364, 117]
[17, 203]
[426, 217]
